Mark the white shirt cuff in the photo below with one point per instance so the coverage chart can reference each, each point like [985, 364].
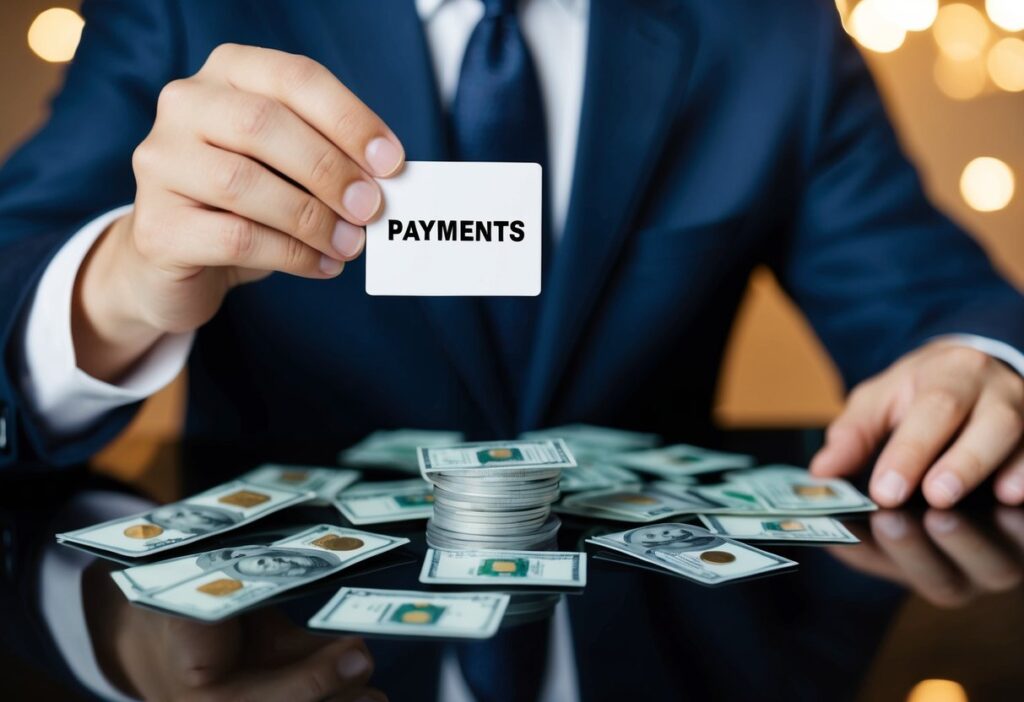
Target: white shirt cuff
[999, 350]
[60, 589]
[63, 397]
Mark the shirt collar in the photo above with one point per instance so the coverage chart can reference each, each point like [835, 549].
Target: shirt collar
[427, 8]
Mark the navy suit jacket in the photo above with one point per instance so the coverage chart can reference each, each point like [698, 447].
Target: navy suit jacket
[715, 136]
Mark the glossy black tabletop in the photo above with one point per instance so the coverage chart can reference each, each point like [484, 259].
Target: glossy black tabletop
[927, 607]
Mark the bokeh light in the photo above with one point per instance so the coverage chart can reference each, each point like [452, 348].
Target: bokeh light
[1006, 64]
[911, 15]
[961, 31]
[1008, 14]
[960, 80]
[987, 184]
[871, 26]
[936, 690]
[54, 34]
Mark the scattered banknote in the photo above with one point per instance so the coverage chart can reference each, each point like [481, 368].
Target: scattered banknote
[503, 568]
[594, 475]
[471, 615]
[792, 490]
[636, 504]
[680, 460]
[215, 511]
[326, 482]
[216, 584]
[779, 528]
[596, 443]
[388, 501]
[395, 448]
[693, 552]
[518, 457]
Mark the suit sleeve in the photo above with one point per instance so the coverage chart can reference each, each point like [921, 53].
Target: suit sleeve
[74, 169]
[875, 267]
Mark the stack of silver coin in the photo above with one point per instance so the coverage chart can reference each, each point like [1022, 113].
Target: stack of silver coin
[508, 508]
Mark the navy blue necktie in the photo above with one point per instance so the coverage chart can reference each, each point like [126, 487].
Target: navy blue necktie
[498, 115]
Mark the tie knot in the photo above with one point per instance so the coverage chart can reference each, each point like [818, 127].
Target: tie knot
[493, 8]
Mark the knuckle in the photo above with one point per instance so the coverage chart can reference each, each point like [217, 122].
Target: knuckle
[349, 123]
[943, 401]
[147, 230]
[233, 178]
[222, 53]
[317, 685]
[327, 169]
[172, 96]
[1007, 419]
[294, 71]
[253, 115]
[295, 255]
[968, 464]
[145, 158]
[311, 221]
[239, 239]
[1015, 389]
[968, 359]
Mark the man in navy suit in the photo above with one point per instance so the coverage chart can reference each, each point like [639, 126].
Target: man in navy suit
[197, 148]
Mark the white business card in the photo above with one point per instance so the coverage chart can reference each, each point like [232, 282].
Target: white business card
[457, 228]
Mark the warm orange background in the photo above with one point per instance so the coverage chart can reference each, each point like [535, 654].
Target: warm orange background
[776, 372]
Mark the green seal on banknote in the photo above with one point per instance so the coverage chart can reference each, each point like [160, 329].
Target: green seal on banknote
[418, 613]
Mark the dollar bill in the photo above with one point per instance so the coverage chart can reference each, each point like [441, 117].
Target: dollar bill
[388, 501]
[593, 442]
[636, 504]
[471, 615]
[504, 568]
[215, 511]
[216, 584]
[395, 449]
[693, 552]
[791, 490]
[681, 460]
[592, 475]
[506, 457]
[326, 482]
[779, 528]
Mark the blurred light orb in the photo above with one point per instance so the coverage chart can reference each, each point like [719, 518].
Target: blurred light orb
[961, 31]
[1007, 14]
[936, 690]
[1006, 64]
[959, 80]
[54, 34]
[911, 15]
[987, 184]
[870, 25]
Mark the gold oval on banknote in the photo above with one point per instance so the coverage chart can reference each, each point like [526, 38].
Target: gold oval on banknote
[221, 587]
[503, 566]
[244, 498]
[294, 476]
[143, 531]
[791, 525]
[717, 557]
[814, 492]
[635, 499]
[500, 453]
[416, 616]
[333, 542]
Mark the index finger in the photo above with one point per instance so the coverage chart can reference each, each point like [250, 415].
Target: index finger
[313, 93]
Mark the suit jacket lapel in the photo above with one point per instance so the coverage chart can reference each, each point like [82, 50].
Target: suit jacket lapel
[638, 59]
[380, 52]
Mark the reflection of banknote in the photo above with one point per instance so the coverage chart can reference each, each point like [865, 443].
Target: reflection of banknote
[496, 456]
[779, 528]
[325, 482]
[787, 489]
[215, 511]
[472, 615]
[395, 448]
[693, 552]
[388, 501]
[216, 584]
[505, 568]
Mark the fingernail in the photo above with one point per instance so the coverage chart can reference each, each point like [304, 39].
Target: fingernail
[943, 522]
[949, 486]
[384, 156]
[1011, 490]
[893, 525]
[361, 199]
[891, 488]
[353, 663]
[330, 266]
[347, 239]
